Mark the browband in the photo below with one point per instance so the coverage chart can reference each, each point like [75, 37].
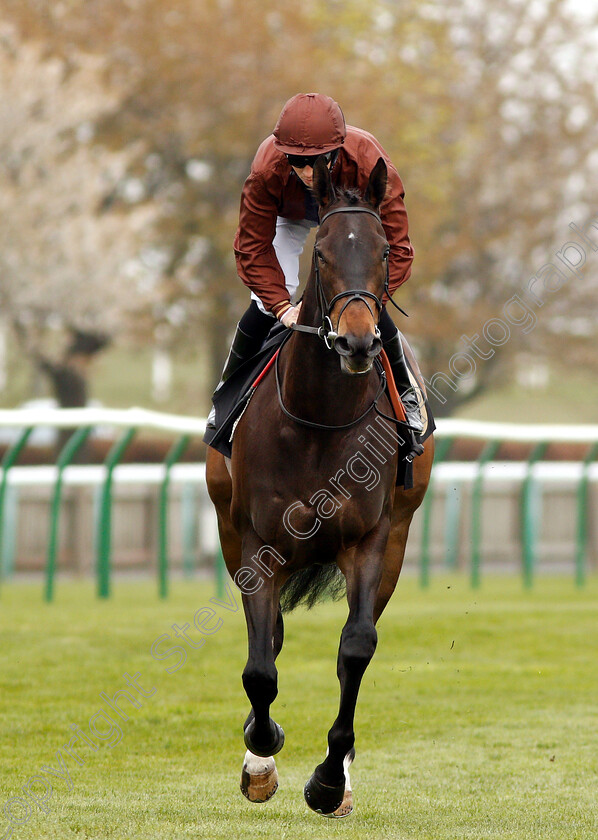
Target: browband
[351, 210]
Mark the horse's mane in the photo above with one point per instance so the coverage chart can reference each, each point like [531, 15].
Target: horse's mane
[349, 195]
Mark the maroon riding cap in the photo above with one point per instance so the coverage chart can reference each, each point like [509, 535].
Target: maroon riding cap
[310, 124]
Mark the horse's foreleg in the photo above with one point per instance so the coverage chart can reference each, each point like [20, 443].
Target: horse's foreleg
[326, 790]
[263, 737]
[259, 777]
[277, 642]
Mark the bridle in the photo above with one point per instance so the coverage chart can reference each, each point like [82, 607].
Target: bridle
[326, 331]
[329, 334]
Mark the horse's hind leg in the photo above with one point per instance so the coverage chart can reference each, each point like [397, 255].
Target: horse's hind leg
[259, 777]
[406, 502]
[393, 562]
[325, 791]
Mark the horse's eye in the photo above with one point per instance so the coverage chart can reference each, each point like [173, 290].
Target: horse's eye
[386, 254]
[320, 256]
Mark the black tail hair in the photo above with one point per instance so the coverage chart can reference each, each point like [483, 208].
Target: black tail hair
[315, 583]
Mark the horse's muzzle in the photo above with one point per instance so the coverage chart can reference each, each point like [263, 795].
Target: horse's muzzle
[357, 352]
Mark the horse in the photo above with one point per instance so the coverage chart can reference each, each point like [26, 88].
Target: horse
[310, 488]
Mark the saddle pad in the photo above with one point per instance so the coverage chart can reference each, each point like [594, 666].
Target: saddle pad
[231, 398]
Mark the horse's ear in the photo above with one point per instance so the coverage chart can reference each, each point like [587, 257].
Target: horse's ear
[323, 189]
[376, 189]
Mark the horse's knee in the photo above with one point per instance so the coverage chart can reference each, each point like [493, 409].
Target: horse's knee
[358, 645]
[260, 681]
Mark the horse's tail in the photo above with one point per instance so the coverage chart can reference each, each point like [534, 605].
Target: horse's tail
[315, 583]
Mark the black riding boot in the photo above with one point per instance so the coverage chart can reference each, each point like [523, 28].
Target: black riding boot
[409, 398]
[249, 336]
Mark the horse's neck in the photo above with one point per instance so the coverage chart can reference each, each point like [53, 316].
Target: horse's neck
[313, 385]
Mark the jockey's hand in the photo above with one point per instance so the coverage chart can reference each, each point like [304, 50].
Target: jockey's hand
[290, 316]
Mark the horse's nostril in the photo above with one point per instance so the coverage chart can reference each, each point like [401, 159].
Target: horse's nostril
[366, 346]
[342, 346]
[375, 348]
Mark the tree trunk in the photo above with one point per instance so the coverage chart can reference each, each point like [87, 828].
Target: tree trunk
[69, 379]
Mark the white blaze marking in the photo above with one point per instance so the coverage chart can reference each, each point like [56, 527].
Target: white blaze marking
[351, 236]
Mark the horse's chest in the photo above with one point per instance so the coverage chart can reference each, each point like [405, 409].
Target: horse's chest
[297, 488]
[322, 505]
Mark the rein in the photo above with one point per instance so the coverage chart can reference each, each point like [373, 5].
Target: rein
[312, 425]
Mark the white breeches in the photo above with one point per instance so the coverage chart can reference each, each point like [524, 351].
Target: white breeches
[289, 242]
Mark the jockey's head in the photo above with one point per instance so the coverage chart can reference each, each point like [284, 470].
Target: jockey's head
[310, 125]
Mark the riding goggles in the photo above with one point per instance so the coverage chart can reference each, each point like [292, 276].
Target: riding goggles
[301, 161]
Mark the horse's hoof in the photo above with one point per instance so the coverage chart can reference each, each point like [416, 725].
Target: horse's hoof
[346, 806]
[324, 799]
[269, 750]
[259, 778]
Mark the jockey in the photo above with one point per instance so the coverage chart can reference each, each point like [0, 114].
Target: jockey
[278, 209]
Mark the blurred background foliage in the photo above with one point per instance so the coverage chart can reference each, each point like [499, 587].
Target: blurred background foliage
[127, 128]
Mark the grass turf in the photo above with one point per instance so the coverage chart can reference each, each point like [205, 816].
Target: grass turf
[476, 718]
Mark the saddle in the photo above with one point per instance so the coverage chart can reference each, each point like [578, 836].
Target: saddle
[233, 396]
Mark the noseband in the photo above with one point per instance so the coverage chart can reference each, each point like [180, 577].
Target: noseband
[326, 331]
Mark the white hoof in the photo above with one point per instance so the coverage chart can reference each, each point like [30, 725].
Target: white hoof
[259, 778]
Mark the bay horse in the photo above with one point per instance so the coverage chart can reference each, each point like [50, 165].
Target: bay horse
[310, 486]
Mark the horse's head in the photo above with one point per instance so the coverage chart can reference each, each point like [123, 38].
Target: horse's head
[350, 267]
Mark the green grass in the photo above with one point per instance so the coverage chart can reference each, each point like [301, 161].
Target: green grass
[476, 718]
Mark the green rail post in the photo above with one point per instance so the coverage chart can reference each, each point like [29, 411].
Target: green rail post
[11, 525]
[441, 452]
[173, 456]
[68, 452]
[487, 454]
[189, 528]
[530, 515]
[581, 536]
[10, 457]
[96, 506]
[105, 523]
[452, 520]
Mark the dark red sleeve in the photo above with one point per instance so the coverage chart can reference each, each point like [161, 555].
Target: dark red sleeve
[396, 227]
[257, 264]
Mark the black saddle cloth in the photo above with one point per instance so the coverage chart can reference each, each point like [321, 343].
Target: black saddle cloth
[230, 400]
